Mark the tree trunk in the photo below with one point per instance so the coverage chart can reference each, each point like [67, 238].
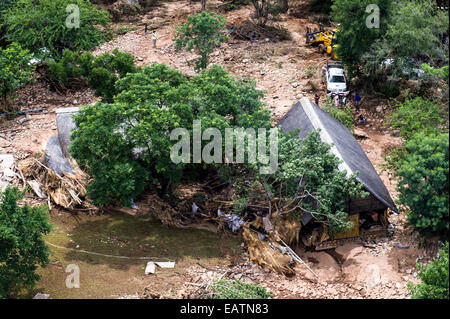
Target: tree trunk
[203, 5]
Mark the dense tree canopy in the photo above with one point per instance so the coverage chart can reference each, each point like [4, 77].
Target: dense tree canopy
[41, 24]
[22, 248]
[202, 33]
[424, 184]
[355, 37]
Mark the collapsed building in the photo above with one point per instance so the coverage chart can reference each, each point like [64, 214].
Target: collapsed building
[369, 215]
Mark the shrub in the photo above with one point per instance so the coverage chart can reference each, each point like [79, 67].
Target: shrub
[202, 33]
[100, 73]
[42, 24]
[343, 115]
[22, 248]
[434, 278]
[423, 184]
[236, 289]
[15, 72]
[416, 115]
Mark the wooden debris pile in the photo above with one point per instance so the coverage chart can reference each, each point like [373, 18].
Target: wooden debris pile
[68, 190]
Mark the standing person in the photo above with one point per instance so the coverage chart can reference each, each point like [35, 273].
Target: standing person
[357, 101]
[154, 38]
[316, 99]
[324, 73]
[336, 100]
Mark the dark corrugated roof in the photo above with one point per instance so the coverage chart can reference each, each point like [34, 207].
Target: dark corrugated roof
[307, 116]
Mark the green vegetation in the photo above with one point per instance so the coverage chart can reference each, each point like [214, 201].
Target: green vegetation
[120, 234]
[386, 53]
[417, 115]
[150, 104]
[343, 115]
[101, 73]
[423, 183]
[41, 24]
[434, 276]
[15, 73]
[236, 289]
[202, 33]
[354, 37]
[322, 191]
[22, 248]
[417, 22]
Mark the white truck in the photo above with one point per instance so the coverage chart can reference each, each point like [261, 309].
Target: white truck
[336, 80]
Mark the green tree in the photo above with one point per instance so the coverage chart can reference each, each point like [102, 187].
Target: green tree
[22, 248]
[414, 34]
[101, 73]
[134, 132]
[354, 36]
[434, 278]
[343, 115]
[42, 24]
[15, 73]
[423, 184]
[307, 179]
[202, 33]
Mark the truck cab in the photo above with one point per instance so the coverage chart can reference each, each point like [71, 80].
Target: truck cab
[336, 80]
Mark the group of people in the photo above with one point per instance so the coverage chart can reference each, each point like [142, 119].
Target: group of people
[342, 100]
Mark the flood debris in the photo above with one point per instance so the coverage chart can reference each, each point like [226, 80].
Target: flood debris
[66, 190]
[151, 266]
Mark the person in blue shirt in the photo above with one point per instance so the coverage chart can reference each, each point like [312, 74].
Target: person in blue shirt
[357, 101]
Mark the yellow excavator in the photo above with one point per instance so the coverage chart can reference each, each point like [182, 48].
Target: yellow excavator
[324, 39]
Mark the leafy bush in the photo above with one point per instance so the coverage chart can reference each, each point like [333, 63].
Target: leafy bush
[416, 115]
[133, 132]
[202, 33]
[42, 24]
[101, 73]
[343, 115]
[15, 72]
[236, 289]
[434, 278]
[423, 184]
[22, 248]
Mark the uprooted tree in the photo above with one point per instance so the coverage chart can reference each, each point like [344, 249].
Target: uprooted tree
[307, 180]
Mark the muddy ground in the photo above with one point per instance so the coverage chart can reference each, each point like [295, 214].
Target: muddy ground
[355, 270]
